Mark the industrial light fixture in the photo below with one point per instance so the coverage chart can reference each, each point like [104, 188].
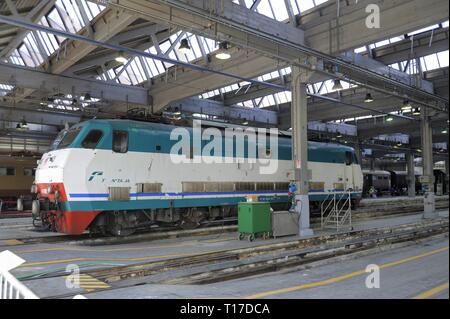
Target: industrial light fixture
[444, 131]
[121, 58]
[339, 135]
[23, 125]
[416, 111]
[87, 97]
[369, 98]
[245, 122]
[399, 144]
[389, 119]
[337, 85]
[223, 53]
[177, 111]
[184, 48]
[406, 105]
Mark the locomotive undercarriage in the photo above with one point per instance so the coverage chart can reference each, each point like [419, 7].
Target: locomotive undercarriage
[45, 215]
[124, 223]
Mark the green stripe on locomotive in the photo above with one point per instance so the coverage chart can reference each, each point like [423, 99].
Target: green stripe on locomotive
[155, 138]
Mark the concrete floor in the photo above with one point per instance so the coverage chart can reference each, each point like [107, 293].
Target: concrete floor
[406, 280]
[423, 274]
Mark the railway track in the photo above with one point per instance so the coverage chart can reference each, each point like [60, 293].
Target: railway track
[153, 234]
[7, 215]
[368, 211]
[219, 266]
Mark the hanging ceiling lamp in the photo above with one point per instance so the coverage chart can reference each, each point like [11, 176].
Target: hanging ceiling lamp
[369, 98]
[121, 58]
[184, 48]
[337, 85]
[223, 52]
[406, 106]
[87, 97]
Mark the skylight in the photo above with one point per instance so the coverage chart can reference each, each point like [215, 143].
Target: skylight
[37, 46]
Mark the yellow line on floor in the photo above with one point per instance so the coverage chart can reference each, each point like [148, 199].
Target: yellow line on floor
[71, 260]
[90, 283]
[343, 277]
[432, 292]
[12, 242]
[185, 244]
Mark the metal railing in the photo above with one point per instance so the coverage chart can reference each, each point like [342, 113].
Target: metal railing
[336, 211]
[327, 208]
[10, 287]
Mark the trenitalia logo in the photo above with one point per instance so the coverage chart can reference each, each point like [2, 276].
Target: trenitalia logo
[214, 146]
[95, 174]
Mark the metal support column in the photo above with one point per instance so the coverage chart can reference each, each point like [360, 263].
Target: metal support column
[447, 176]
[427, 179]
[299, 119]
[358, 151]
[411, 175]
[372, 164]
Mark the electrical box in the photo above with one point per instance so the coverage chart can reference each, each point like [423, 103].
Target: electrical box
[254, 218]
[284, 223]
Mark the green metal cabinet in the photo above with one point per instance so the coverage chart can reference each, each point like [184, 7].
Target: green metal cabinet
[254, 218]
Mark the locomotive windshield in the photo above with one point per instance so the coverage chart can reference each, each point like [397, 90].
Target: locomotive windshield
[65, 138]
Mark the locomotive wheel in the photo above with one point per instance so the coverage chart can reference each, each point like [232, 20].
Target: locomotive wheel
[192, 219]
[188, 225]
[120, 232]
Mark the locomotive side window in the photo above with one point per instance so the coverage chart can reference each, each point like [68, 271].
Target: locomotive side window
[120, 141]
[68, 137]
[91, 140]
[348, 158]
[355, 159]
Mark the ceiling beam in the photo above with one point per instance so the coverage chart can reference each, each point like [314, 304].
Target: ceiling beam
[160, 10]
[326, 33]
[35, 15]
[49, 84]
[213, 108]
[106, 25]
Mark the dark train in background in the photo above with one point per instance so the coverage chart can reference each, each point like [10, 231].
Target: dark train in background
[395, 183]
[16, 177]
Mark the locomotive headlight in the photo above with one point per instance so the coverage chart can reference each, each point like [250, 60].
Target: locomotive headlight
[33, 189]
[49, 189]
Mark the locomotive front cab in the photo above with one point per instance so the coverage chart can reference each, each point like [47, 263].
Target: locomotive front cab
[59, 170]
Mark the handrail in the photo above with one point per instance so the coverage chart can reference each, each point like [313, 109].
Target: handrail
[11, 288]
[323, 211]
[339, 208]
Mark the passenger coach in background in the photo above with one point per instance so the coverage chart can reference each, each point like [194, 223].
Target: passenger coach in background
[115, 176]
[16, 178]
